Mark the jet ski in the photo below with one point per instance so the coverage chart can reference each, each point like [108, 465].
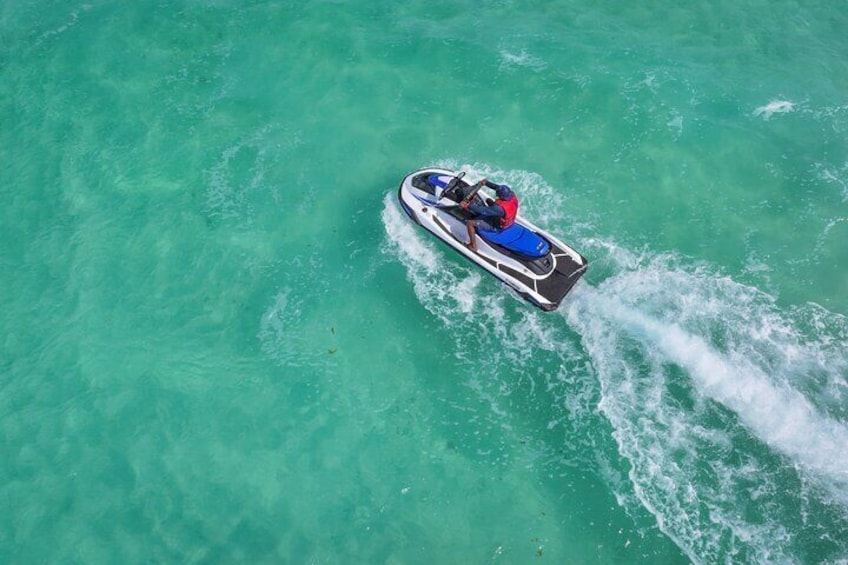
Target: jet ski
[539, 267]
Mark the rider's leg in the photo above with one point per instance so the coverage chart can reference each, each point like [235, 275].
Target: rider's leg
[472, 235]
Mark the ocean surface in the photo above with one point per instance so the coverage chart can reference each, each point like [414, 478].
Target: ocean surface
[223, 342]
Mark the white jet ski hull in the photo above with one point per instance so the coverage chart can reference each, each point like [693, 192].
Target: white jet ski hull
[542, 279]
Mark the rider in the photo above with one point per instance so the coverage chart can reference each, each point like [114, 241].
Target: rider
[495, 215]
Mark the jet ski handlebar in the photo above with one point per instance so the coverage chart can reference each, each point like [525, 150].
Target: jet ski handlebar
[474, 190]
[452, 184]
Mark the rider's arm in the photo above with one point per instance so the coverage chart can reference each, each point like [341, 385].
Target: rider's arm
[506, 194]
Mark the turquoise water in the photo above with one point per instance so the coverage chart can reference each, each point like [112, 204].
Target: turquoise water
[223, 342]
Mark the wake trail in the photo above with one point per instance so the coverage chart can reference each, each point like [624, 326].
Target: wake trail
[693, 367]
[774, 412]
[728, 412]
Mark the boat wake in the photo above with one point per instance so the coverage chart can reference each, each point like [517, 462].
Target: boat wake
[729, 412]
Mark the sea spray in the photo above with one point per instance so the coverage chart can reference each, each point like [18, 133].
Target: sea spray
[691, 364]
[692, 368]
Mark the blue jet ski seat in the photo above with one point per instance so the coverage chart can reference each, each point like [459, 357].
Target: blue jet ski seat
[518, 239]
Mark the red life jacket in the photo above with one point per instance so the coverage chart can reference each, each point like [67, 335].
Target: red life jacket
[511, 208]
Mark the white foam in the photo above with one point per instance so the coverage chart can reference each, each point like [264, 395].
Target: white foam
[444, 289]
[403, 237]
[835, 176]
[521, 59]
[776, 413]
[774, 107]
[658, 327]
[675, 124]
[73, 19]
